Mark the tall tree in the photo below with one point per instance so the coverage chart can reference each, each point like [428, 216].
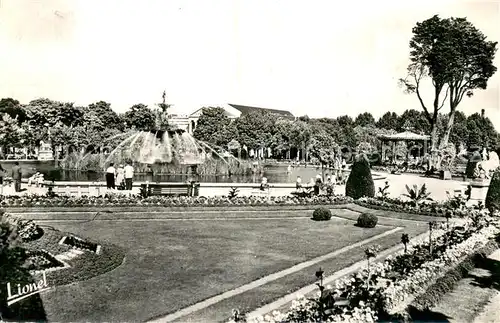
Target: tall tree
[139, 117]
[13, 109]
[389, 121]
[456, 57]
[364, 119]
[214, 127]
[103, 111]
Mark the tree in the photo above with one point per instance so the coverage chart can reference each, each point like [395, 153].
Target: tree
[214, 127]
[389, 121]
[464, 58]
[13, 109]
[102, 110]
[256, 129]
[300, 137]
[322, 147]
[11, 134]
[415, 121]
[364, 119]
[457, 59]
[139, 117]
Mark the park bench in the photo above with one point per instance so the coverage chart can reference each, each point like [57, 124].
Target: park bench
[71, 190]
[170, 189]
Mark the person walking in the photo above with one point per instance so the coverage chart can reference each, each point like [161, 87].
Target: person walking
[2, 174]
[16, 176]
[129, 175]
[110, 176]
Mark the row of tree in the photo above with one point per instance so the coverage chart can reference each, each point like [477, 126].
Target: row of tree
[64, 124]
[320, 137]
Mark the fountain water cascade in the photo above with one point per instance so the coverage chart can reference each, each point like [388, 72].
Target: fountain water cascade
[159, 147]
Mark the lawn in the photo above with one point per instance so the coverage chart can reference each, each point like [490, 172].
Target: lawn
[171, 264]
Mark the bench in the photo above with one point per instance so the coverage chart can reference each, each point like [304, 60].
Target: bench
[166, 189]
[71, 190]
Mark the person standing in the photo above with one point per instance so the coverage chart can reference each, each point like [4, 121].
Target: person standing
[16, 176]
[129, 175]
[110, 176]
[2, 173]
[120, 177]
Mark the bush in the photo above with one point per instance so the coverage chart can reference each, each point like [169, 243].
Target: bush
[492, 201]
[360, 182]
[322, 214]
[471, 164]
[366, 220]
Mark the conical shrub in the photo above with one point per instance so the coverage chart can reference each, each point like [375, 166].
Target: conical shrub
[492, 202]
[360, 181]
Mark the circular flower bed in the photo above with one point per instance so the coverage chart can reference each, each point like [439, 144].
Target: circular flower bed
[155, 201]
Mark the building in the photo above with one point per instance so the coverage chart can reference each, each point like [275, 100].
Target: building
[233, 111]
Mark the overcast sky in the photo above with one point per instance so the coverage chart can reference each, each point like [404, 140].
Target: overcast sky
[320, 58]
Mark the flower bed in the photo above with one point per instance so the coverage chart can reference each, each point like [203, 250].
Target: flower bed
[41, 260]
[155, 201]
[428, 208]
[27, 230]
[79, 243]
[385, 290]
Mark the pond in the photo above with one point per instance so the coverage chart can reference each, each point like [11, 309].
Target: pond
[273, 173]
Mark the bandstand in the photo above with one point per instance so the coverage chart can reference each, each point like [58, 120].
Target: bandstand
[413, 142]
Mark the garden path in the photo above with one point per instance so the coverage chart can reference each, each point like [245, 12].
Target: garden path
[478, 293]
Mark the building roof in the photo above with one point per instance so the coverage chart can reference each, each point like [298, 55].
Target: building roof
[406, 135]
[247, 109]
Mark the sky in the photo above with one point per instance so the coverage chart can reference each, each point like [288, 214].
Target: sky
[320, 58]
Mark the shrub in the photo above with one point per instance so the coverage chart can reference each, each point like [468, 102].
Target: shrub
[322, 214]
[366, 220]
[360, 182]
[492, 201]
[471, 164]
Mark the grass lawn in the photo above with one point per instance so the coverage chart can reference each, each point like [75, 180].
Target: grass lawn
[175, 263]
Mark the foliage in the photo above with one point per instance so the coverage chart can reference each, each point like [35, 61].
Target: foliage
[40, 201]
[322, 147]
[456, 57]
[139, 117]
[389, 121]
[416, 195]
[384, 192]
[492, 201]
[360, 181]
[364, 119]
[233, 192]
[102, 111]
[367, 220]
[322, 214]
[214, 127]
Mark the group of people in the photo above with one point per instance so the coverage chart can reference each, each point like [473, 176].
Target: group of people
[316, 184]
[120, 177]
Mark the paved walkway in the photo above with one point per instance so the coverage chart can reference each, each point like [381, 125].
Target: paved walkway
[476, 298]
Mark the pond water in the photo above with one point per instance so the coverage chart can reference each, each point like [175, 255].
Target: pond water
[273, 173]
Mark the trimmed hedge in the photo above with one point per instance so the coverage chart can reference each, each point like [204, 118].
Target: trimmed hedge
[492, 201]
[366, 220]
[360, 181]
[322, 214]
